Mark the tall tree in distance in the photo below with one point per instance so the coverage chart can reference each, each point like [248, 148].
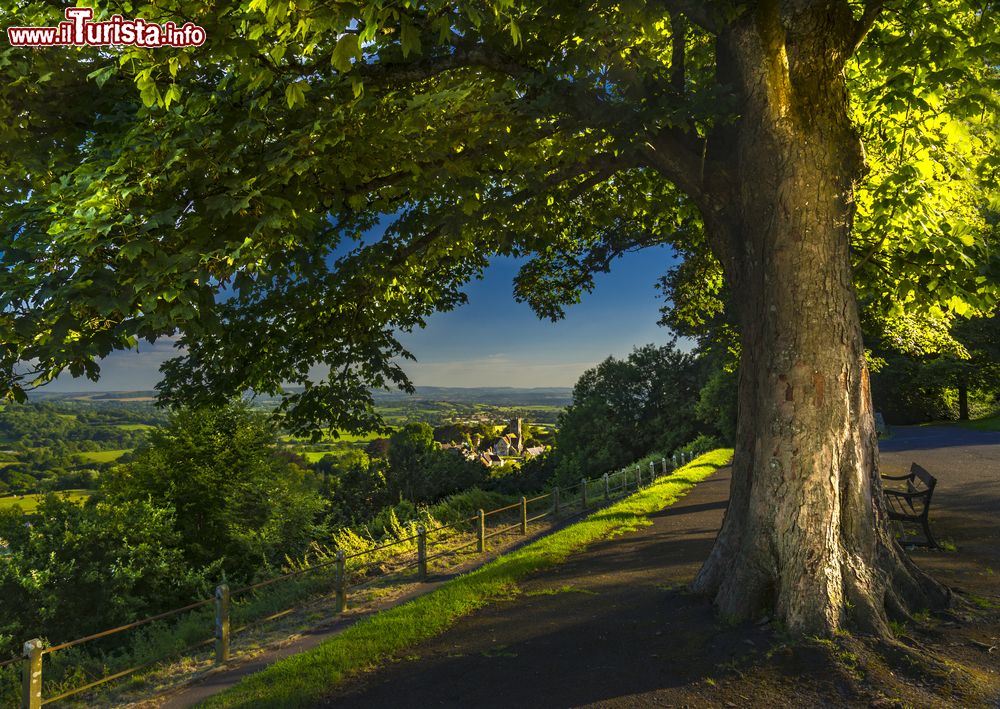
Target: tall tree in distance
[623, 409]
[223, 193]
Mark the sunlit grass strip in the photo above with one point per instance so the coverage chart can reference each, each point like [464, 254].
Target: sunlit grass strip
[303, 679]
[987, 424]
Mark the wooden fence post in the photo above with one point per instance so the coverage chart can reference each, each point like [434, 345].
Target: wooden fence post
[422, 552]
[555, 501]
[482, 532]
[638, 476]
[31, 675]
[664, 461]
[341, 582]
[652, 472]
[583, 486]
[222, 624]
[607, 488]
[524, 515]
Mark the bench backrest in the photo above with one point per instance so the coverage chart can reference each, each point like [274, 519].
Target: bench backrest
[926, 478]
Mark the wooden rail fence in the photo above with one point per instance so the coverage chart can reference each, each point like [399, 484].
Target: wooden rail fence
[612, 486]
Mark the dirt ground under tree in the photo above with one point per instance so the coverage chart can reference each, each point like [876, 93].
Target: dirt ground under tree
[615, 626]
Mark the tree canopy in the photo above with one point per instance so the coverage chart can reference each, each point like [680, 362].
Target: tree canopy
[222, 194]
[319, 177]
[625, 408]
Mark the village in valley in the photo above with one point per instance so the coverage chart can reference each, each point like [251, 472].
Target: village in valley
[517, 442]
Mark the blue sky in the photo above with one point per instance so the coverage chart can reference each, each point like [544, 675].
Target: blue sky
[492, 340]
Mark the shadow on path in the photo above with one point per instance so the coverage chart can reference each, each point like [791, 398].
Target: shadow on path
[614, 617]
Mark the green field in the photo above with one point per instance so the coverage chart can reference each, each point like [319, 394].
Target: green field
[134, 426]
[104, 456]
[344, 438]
[987, 424]
[29, 503]
[313, 456]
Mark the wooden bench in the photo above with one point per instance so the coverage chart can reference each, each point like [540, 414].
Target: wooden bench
[913, 503]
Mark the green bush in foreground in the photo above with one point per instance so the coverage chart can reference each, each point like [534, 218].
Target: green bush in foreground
[303, 679]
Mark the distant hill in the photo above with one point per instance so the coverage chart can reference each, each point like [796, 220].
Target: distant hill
[138, 395]
[498, 396]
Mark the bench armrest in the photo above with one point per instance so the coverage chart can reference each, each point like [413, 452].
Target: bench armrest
[897, 477]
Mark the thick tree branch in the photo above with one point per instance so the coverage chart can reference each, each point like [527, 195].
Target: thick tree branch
[678, 47]
[430, 66]
[603, 164]
[872, 11]
[678, 156]
[700, 12]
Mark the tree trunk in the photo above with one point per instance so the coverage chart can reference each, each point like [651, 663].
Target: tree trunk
[806, 537]
[963, 401]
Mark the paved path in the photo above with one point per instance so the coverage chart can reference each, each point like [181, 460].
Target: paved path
[965, 510]
[966, 463]
[613, 617]
[614, 627]
[218, 680]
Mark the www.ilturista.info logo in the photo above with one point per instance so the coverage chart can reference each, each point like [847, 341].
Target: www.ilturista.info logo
[79, 29]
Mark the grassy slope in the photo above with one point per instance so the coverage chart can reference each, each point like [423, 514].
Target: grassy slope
[301, 680]
[29, 503]
[103, 456]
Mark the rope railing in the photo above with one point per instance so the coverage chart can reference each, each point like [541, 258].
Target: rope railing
[561, 498]
[127, 626]
[451, 550]
[503, 530]
[503, 509]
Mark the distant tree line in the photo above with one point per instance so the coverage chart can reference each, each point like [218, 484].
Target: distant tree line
[41, 443]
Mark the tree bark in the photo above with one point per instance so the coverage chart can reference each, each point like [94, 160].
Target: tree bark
[805, 538]
[963, 401]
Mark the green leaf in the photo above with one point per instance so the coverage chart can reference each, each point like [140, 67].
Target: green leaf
[173, 94]
[409, 38]
[294, 94]
[347, 49]
[101, 76]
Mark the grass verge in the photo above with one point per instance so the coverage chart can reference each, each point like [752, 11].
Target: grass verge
[991, 423]
[303, 679]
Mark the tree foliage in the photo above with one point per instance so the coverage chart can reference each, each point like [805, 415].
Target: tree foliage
[220, 194]
[950, 371]
[78, 569]
[626, 408]
[239, 506]
[421, 472]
